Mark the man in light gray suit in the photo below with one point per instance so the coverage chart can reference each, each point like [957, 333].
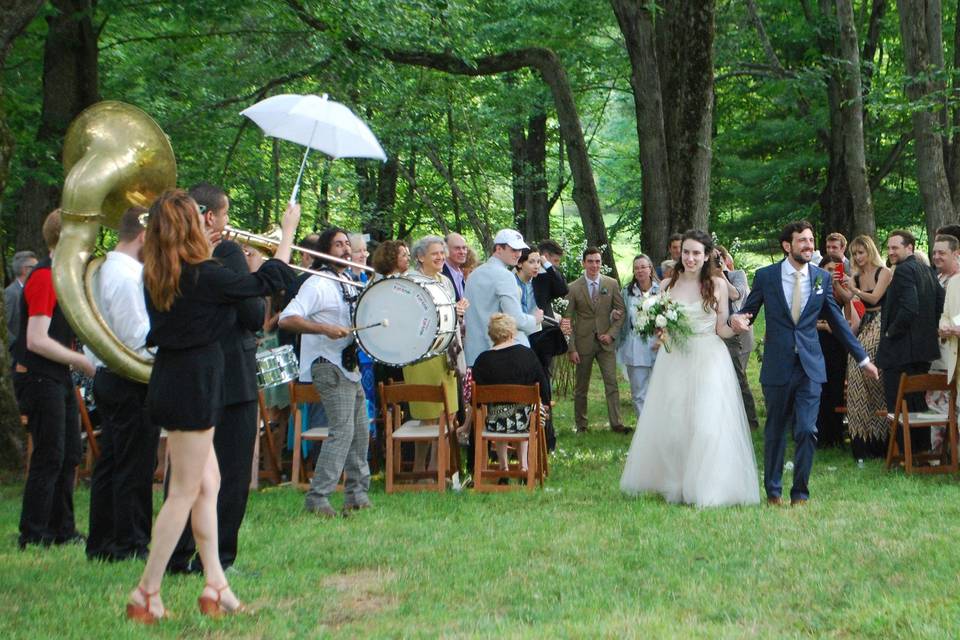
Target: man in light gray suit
[23, 263]
[492, 288]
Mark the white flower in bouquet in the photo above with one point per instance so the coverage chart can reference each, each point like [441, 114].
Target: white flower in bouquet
[672, 315]
[661, 321]
[649, 302]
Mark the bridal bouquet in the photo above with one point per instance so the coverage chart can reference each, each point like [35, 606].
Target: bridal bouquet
[659, 315]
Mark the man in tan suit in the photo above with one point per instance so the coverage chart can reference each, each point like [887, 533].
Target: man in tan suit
[596, 312]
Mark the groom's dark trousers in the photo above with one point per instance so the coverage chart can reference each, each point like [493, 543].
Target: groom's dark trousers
[797, 403]
[792, 373]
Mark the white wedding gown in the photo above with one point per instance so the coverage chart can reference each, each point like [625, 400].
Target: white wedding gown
[692, 442]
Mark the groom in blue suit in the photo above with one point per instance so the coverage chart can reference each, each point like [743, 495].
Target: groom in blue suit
[796, 295]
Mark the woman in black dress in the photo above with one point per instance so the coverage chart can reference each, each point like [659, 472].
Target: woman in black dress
[189, 301]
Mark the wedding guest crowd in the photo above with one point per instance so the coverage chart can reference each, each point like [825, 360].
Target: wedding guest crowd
[198, 300]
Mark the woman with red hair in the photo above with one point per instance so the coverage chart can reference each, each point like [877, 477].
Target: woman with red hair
[189, 301]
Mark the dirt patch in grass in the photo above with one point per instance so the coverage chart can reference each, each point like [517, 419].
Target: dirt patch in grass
[359, 595]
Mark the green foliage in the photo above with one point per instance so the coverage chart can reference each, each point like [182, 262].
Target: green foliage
[193, 67]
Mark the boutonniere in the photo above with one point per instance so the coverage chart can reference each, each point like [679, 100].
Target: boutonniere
[818, 284]
[603, 291]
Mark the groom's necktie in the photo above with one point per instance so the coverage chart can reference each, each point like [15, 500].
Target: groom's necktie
[795, 307]
[594, 293]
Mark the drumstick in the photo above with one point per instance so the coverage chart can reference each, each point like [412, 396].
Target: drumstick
[383, 323]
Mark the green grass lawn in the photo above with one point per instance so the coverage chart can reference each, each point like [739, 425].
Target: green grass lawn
[871, 556]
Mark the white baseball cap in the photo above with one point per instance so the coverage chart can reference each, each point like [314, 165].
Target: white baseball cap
[511, 238]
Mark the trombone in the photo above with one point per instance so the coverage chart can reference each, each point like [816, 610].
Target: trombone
[268, 243]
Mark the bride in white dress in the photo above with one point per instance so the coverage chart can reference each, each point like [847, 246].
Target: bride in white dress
[692, 443]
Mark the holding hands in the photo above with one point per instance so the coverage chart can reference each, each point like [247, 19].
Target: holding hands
[740, 322]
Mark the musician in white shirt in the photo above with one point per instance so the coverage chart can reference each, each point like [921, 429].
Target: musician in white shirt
[328, 357]
[121, 490]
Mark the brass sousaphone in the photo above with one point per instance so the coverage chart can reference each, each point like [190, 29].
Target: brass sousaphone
[115, 156]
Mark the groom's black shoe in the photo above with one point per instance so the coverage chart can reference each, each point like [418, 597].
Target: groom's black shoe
[774, 501]
[798, 502]
[619, 428]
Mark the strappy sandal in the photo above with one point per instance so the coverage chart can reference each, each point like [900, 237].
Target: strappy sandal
[214, 608]
[141, 612]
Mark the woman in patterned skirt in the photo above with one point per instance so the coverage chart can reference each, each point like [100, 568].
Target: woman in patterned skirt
[868, 430]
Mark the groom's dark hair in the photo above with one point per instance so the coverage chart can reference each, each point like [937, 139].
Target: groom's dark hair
[798, 226]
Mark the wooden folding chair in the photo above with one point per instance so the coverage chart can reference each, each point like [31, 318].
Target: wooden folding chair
[301, 393]
[442, 435]
[268, 448]
[486, 475]
[902, 420]
[89, 434]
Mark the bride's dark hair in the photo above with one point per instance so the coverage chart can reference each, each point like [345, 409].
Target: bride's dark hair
[706, 273]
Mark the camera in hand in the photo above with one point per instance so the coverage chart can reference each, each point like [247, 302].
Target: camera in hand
[348, 357]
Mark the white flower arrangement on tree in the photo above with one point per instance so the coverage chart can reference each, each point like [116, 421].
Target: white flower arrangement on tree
[658, 315]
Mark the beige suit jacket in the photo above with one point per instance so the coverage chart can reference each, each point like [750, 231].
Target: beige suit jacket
[589, 320]
[951, 309]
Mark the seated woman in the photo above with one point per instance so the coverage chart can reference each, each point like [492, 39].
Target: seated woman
[509, 363]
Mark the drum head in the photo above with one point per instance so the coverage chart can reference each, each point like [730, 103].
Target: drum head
[410, 305]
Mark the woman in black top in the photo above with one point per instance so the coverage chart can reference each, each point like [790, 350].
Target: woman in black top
[509, 363]
[189, 301]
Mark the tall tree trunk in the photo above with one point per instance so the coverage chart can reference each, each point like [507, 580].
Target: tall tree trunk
[517, 138]
[528, 160]
[70, 85]
[538, 214]
[836, 201]
[931, 172]
[953, 168]
[380, 227]
[685, 61]
[636, 24]
[15, 15]
[852, 113]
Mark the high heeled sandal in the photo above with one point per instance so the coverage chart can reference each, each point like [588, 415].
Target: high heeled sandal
[141, 612]
[214, 608]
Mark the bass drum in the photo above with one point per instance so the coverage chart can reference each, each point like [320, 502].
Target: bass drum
[422, 319]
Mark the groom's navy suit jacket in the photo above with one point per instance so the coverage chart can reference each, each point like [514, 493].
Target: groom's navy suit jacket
[784, 340]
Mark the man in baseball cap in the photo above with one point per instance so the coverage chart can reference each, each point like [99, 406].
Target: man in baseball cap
[492, 288]
[511, 238]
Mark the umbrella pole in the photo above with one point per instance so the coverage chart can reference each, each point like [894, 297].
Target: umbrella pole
[296, 186]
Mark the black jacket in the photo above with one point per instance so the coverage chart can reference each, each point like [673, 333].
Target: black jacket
[547, 287]
[911, 312]
[239, 343]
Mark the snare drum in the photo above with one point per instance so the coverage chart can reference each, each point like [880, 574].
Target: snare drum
[422, 319]
[277, 366]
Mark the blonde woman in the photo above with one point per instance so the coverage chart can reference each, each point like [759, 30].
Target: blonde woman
[509, 363]
[869, 282]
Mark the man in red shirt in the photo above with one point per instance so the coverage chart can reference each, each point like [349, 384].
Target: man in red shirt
[44, 389]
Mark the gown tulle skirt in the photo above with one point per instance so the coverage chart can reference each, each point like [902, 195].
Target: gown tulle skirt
[692, 443]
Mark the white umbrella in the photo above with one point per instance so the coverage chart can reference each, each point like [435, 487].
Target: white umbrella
[316, 123]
